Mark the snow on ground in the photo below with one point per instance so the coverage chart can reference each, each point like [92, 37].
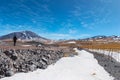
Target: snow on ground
[71, 42]
[26, 45]
[115, 55]
[81, 67]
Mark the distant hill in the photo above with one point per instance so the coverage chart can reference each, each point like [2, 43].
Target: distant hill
[24, 35]
[102, 37]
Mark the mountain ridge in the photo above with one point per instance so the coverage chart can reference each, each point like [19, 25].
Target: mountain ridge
[103, 37]
[24, 35]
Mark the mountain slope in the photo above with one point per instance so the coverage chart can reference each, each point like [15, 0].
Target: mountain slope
[23, 35]
[102, 37]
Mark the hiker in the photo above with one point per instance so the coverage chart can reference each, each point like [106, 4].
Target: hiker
[14, 40]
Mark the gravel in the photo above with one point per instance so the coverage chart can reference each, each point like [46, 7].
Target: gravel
[25, 60]
[109, 64]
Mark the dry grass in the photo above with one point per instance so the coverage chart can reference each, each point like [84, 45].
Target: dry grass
[110, 46]
[101, 45]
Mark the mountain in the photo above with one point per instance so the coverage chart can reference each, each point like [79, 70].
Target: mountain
[24, 35]
[103, 38]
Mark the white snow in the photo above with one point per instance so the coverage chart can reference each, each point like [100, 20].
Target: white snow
[24, 33]
[81, 67]
[26, 45]
[115, 55]
[72, 42]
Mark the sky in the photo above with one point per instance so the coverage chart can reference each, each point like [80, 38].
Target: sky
[61, 19]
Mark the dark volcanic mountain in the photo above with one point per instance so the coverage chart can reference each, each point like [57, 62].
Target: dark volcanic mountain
[24, 35]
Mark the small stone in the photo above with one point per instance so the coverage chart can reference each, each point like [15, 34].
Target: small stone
[93, 73]
[32, 67]
[13, 57]
[9, 73]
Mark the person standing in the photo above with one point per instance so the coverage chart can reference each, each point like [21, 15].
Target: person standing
[14, 40]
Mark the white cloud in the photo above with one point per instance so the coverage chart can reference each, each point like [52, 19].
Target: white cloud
[57, 36]
[72, 31]
[67, 24]
[68, 27]
[76, 12]
[84, 35]
[94, 16]
[15, 28]
[88, 25]
[37, 18]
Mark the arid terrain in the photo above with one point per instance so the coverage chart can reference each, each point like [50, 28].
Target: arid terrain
[32, 54]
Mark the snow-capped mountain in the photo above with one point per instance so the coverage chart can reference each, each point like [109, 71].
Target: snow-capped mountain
[102, 37]
[99, 37]
[24, 35]
[115, 37]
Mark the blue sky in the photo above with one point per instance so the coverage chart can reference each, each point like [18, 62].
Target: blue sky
[61, 19]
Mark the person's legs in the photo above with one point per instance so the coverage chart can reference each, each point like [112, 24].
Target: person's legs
[14, 43]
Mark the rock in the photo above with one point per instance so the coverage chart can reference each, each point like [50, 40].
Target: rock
[9, 73]
[13, 57]
[33, 67]
[12, 54]
[2, 73]
[25, 60]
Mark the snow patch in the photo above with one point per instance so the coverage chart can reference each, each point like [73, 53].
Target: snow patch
[115, 55]
[81, 67]
[26, 45]
[72, 42]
